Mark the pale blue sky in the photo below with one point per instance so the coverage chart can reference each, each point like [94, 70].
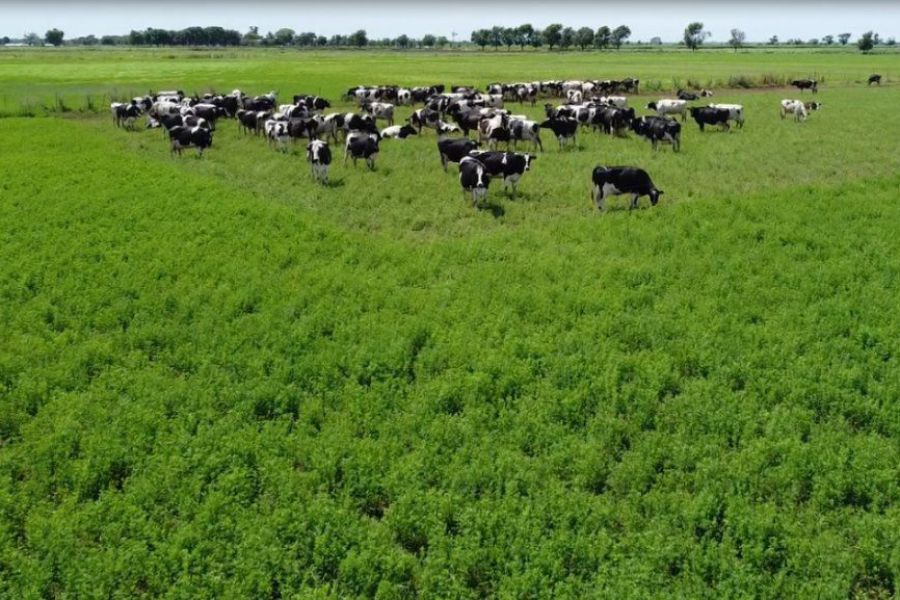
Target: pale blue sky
[759, 20]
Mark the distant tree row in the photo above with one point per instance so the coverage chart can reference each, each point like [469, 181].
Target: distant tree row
[552, 36]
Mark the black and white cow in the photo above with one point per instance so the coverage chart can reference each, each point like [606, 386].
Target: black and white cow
[316, 103]
[563, 128]
[707, 115]
[380, 110]
[167, 122]
[798, 108]
[183, 137]
[319, 156]
[473, 178]
[265, 102]
[806, 84]
[400, 132]
[686, 95]
[508, 165]
[735, 112]
[124, 115]
[668, 106]
[613, 181]
[874, 78]
[252, 120]
[424, 117]
[277, 133]
[362, 145]
[658, 129]
[524, 130]
[354, 122]
[210, 112]
[454, 150]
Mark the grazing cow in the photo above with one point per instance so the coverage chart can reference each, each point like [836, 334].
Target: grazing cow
[508, 165]
[424, 117]
[563, 128]
[454, 150]
[874, 78]
[614, 121]
[124, 115]
[400, 132]
[524, 130]
[319, 156]
[735, 112]
[380, 110]
[613, 181]
[362, 145]
[474, 178]
[277, 133]
[658, 129]
[798, 108]
[185, 137]
[806, 84]
[686, 95]
[668, 106]
[706, 115]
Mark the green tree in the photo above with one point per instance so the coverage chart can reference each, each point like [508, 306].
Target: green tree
[619, 35]
[54, 36]
[358, 38]
[567, 38]
[828, 39]
[866, 42]
[584, 37]
[442, 41]
[694, 34]
[552, 35]
[510, 37]
[252, 37]
[481, 37]
[843, 38]
[773, 41]
[495, 36]
[32, 39]
[402, 41]
[656, 41]
[429, 40]
[284, 37]
[526, 33]
[737, 39]
[603, 38]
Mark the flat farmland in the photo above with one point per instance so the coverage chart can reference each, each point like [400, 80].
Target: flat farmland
[221, 380]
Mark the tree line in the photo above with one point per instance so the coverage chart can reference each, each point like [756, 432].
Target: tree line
[552, 36]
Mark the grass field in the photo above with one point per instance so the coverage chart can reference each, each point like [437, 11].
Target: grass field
[219, 380]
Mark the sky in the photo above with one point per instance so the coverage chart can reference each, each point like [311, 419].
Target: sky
[389, 18]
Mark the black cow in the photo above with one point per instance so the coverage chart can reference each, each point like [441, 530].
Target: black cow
[658, 129]
[185, 137]
[613, 120]
[473, 177]
[210, 112]
[454, 150]
[707, 115]
[685, 95]
[613, 181]
[362, 145]
[806, 84]
[508, 165]
[630, 84]
[874, 78]
[563, 128]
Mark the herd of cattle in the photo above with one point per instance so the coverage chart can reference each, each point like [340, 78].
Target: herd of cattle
[190, 121]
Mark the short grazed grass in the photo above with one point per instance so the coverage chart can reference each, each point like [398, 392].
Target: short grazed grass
[219, 380]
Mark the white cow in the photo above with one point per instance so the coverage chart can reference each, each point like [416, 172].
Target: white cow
[798, 108]
[670, 106]
[277, 133]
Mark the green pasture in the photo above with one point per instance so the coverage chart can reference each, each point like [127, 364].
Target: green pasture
[220, 380]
